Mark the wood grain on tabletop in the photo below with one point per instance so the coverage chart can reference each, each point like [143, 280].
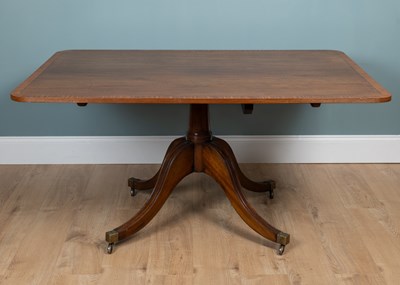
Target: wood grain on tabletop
[208, 77]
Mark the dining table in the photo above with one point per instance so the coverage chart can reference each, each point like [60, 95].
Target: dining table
[199, 78]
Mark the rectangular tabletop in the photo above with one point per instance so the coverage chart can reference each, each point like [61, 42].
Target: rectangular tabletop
[211, 77]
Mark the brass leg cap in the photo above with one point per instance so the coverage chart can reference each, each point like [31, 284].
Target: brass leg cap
[283, 238]
[112, 236]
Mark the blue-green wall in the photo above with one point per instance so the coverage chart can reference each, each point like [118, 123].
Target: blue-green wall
[31, 31]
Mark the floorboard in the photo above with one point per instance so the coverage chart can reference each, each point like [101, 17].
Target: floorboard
[343, 220]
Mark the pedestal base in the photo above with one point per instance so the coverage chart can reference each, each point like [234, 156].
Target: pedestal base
[199, 151]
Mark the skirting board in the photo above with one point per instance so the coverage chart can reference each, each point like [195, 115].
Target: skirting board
[248, 149]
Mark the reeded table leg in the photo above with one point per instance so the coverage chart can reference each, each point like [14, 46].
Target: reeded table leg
[222, 168]
[175, 167]
[266, 186]
[139, 184]
[199, 151]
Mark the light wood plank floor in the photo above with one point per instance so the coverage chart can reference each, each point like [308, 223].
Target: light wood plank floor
[344, 222]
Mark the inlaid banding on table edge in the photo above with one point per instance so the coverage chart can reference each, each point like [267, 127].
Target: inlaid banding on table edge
[200, 77]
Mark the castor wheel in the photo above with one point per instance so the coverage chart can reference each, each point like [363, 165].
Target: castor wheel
[281, 249]
[110, 248]
[133, 192]
[271, 194]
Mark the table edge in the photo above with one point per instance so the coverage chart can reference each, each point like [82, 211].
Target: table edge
[16, 93]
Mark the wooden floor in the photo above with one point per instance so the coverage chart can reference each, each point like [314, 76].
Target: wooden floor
[344, 222]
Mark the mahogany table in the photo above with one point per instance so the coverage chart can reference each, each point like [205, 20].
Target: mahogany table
[200, 78]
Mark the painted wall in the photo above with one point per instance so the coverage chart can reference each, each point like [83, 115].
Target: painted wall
[31, 31]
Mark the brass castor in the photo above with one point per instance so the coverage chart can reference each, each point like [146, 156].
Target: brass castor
[110, 248]
[281, 249]
[271, 186]
[133, 192]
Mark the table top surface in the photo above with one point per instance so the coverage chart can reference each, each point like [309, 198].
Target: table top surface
[204, 77]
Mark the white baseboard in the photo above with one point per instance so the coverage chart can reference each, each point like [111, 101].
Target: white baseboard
[248, 149]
